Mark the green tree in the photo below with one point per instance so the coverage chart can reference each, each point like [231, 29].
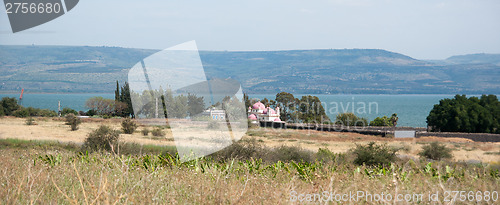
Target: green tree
[384, 121]
[311, 110]
[196, 105]
[288, 106]
[125, 98]
[67, 110]
[350, 119]
[117, 92]
[179, 108]
[462, 114]
[247, 101]
[9, 105]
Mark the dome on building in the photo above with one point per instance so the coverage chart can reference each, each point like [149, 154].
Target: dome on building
[252, 117]
[258, 106]
[277, 120]
[270, 111]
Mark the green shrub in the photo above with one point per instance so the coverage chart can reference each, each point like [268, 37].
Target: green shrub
[381, 121]
[21, 112]
[30, 121]
[31, 111]
[128, 126]
[67, 110]
[9, 105]
[372, 154]
[103, 138]
[73, 121]
[47, 113]
[242, 150]
[157, 132]
[350, 119]
[435, 151]
[2, 113]
[145, 131]
[327, 156]
[294, 153]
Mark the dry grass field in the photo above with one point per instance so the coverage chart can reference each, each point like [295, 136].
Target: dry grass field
[55, 129]
[43, 171]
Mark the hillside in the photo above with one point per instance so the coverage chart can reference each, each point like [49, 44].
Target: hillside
[356, 71]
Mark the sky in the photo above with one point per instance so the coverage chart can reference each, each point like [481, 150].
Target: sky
[422, 29]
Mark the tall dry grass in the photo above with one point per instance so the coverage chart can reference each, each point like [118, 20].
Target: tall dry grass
[58, 175]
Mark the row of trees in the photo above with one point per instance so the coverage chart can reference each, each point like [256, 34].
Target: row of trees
[9, 107]
[462, 114]
[179, 106]
[308, 109]
[121, 106]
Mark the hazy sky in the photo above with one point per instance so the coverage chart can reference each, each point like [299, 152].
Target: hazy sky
[423, 29]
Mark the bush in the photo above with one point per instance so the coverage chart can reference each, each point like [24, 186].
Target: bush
[73, 121]
[327, 156]
[22, 112]
[30, 121]
[31, 111]
[47, 113]
[381, 121]
[158, 132]
[295, 153]
[372, 154]
[9, 105]
[91, 113]
[67, 110]
[2, 113]
[350, 119]
[242, 150]
[128, 126]
[435, 151]
[145, 131]
[103, 138]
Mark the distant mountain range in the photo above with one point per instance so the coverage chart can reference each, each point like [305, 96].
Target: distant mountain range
[335, 71]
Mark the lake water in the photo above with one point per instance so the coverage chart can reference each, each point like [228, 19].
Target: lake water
[412, 110]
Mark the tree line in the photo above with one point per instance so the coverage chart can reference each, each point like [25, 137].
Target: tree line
[462, 114]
